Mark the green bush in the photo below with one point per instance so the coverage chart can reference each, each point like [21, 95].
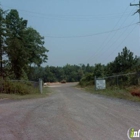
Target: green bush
[88, 79]
[22, 88]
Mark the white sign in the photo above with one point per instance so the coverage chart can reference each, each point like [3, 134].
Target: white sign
[100, 84]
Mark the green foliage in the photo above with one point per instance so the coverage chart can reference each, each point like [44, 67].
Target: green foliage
[21, 88]
[99, 70]
[2, 39]
[34, 47]
[114, 93]
[88, 79]
[15, 42]
[70, 73]
[124, 61]
[22, 45]
[24, 48]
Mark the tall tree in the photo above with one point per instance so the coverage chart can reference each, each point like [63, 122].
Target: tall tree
[124, 61]
[15, 50]
[99, 70]
[2, 38]
[25, 46]
[35, 47]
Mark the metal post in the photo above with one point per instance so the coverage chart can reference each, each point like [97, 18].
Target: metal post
[95, 82]
[138, 11]
[40, 85]
[117, 81]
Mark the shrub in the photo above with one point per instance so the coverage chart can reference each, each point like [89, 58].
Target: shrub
[135, 92]
[21, 88]
[88, 79]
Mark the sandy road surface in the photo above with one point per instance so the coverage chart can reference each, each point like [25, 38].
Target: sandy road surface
[70, 114]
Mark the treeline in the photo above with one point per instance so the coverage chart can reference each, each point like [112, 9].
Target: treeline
[21, 47]
[22, 52]
[125, 62]
[69, 73]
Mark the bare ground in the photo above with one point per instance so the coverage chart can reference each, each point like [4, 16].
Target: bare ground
[70, 114]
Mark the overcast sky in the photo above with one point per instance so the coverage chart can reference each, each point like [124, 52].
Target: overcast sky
[81, 31]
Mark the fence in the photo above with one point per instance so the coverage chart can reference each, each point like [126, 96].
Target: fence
[123, 80]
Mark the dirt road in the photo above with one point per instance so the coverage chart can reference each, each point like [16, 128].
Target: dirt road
[70, 114]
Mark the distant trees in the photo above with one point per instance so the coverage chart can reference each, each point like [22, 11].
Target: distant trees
[99, 70]
[23, 50]
[125, 62]
[22, 45]
[70, 73]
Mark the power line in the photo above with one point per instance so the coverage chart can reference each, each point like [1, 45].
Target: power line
[58, 15]
[103, 44]
[81, 36]
[116, 41]
[131, 30]
[79, 19]
[75, 17]
[138, 11]
[118, 38]
[121, 42]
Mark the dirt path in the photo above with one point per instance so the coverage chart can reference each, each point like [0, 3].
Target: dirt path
[70, 114]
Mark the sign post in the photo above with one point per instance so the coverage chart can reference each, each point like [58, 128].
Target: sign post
[40, 85]
[95, 82]
[100, 84]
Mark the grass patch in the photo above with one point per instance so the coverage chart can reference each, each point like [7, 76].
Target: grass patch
[46, 92]
[115, 93]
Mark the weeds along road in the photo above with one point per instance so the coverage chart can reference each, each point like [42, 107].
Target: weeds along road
[69, 114]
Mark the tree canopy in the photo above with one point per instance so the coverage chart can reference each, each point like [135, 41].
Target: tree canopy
[24, 51]
[125, 62]
[23, 45]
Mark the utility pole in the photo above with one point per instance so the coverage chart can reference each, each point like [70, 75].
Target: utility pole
[138, 11]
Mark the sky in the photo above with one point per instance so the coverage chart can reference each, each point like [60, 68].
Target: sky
[81, 31]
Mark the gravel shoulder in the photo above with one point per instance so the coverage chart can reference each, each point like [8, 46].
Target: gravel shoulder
[69, 114]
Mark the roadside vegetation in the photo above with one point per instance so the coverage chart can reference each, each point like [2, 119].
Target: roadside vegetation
[21, 48]
[114, 92]
[119, 83]
[33, 95]
[67, 73]
[21, 90]
[22, 52]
